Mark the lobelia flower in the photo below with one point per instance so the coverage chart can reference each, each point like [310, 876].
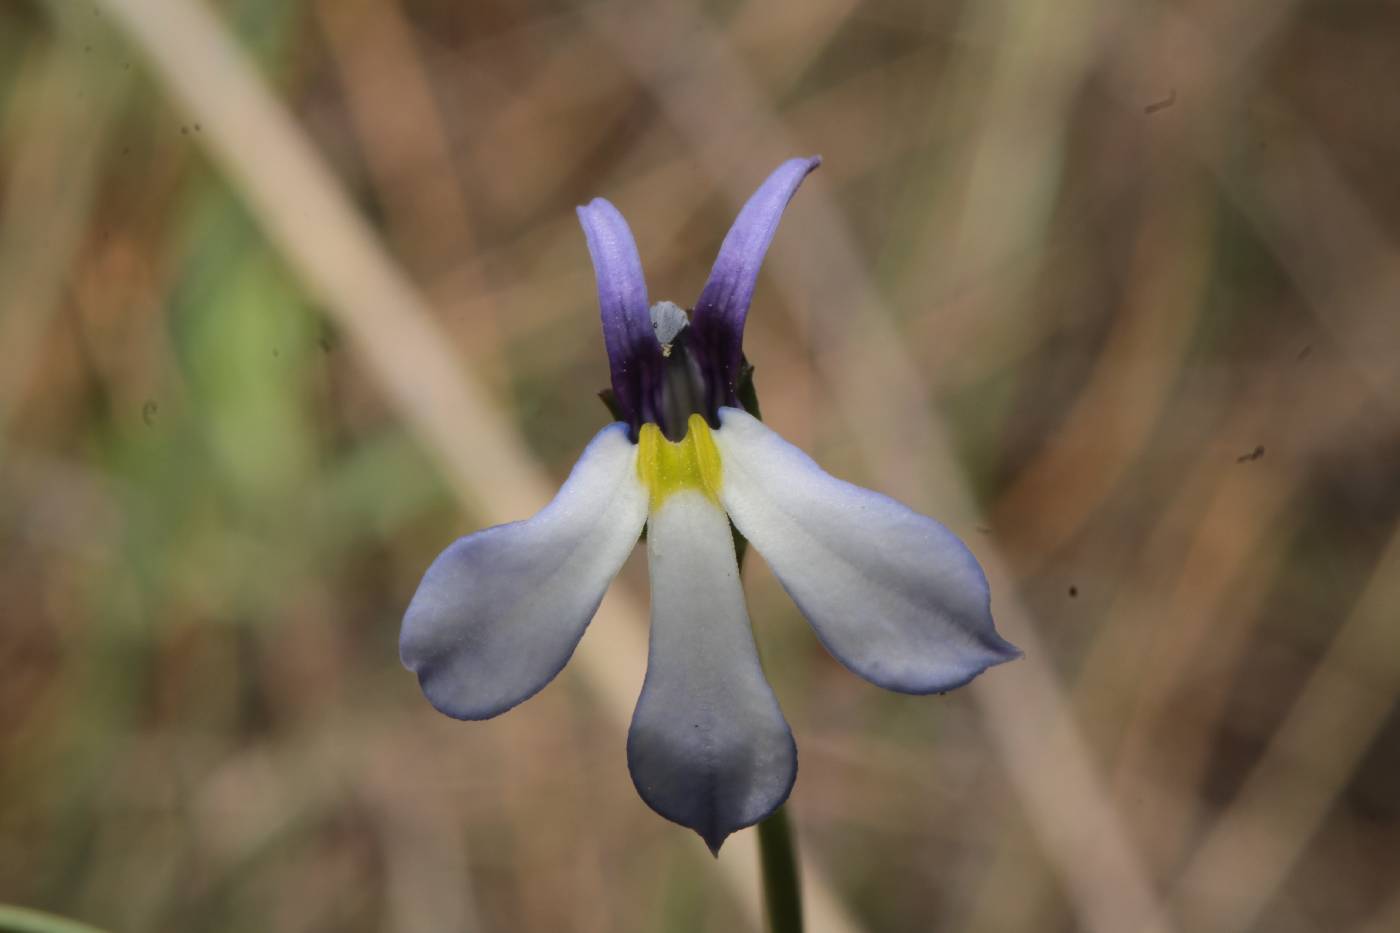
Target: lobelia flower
[894, 596]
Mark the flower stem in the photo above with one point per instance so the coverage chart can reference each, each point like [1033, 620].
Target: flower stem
[782, 888]
[782, 885]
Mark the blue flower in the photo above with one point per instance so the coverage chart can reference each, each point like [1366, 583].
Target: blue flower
[894, 596]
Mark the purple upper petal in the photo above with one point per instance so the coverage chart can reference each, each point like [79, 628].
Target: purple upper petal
[718, 321]
[633, 353]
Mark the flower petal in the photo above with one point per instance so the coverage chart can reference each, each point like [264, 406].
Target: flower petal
[893, 595]
[708, 747]
[718, 321]
[500, 611]
[633, 352]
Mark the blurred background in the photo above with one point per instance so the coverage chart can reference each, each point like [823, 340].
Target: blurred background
[293, 293]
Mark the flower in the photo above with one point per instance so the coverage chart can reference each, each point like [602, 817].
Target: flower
[894, 596]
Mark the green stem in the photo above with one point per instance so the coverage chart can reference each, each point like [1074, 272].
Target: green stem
[782, 887]
[24, 920]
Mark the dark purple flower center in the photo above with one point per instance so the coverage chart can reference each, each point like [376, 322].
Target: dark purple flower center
[667, 365]
[683, 389]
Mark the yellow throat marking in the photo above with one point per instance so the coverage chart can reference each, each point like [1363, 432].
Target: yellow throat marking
[690, 463]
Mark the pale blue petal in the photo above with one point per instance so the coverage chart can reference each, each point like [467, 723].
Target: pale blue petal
[708, 747]
[892, 594]
[499, 612]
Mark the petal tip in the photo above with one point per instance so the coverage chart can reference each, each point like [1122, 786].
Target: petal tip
[1009, 652]
[999, 650]
[794, 171]
[449, 707]
[706, 807]
[596, 204]
[713, 824]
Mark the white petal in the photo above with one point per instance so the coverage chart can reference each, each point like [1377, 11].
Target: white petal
[893, 595]
[708, 747]
[499, 612]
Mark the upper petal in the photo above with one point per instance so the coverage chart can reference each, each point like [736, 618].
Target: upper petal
[894, 595]
[633, 352]
[708, 747]
[499, 612]
[718, 321]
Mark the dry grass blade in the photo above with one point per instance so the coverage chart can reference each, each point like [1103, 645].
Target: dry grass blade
[49, 189]
[307, 216]
[1250, 850]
